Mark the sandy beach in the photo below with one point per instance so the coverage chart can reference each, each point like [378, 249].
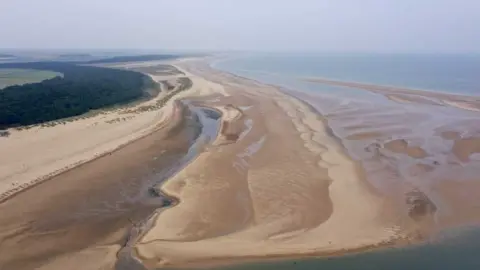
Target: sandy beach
[87, 164]
[285, 183]
[42, 151]
[274, 180]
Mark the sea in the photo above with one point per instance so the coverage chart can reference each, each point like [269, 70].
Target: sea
[457, 248]
[448, 73]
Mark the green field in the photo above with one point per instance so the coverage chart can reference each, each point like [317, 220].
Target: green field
[22, 76]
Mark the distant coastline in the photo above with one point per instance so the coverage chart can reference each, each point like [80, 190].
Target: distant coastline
[409, 95]
[442, 73]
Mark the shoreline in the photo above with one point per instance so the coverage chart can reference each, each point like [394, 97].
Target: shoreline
[170, 187]
[414, 237]
[86, 211]
[219, 263]
[111, 192]
[245, 199]
[8, 194]
[19, 175]
[408, 95]
[386, 87]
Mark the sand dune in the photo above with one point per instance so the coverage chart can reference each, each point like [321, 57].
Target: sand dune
[40, 227]
[40, 152]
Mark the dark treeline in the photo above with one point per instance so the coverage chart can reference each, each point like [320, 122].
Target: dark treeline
[74, 55]
[82, 88]
[134, 58]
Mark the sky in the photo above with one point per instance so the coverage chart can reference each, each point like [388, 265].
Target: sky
[247, 25]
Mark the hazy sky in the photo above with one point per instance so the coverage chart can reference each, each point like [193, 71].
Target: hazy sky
[277, 25]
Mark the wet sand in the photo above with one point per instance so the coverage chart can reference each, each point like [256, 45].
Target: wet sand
[421, 155]
[81, 217]
[87, 212]
[280, 186]
[402, 146]
[278, 180]
[409, 95]
[464, 148]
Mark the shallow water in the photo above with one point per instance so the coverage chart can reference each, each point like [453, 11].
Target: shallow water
[364, 122]
[97, 203]
[459, 253]
[436, 72]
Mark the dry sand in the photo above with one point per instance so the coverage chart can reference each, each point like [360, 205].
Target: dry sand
[283, 186]
[86, 213]
[35, 154]
[79, 217]
[275, 182]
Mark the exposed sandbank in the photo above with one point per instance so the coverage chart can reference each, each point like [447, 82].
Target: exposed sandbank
[406, 95]
[273, 183]
[279, 186]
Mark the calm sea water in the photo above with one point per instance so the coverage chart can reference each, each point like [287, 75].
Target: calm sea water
[447, 255]
[460, 74]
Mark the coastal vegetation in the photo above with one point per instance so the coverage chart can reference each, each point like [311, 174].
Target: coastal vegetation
[68, 55]
[159, 70]
[133, 58]
[73, 57]
[81, 89]
[181, 84]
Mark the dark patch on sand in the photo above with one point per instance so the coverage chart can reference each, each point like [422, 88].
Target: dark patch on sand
[401, 146]
[464, 148]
